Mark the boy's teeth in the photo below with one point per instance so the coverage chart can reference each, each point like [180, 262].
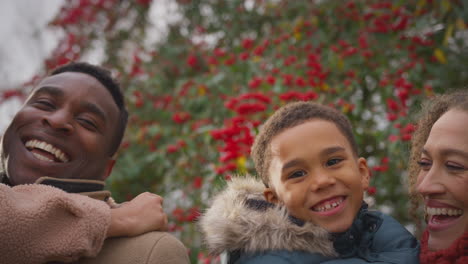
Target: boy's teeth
[443, 211]
[328, 205]
[31, 144]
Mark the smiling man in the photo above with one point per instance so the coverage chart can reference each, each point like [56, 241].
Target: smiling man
[65, 136]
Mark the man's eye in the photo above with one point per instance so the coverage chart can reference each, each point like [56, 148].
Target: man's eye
[297, 174]
[88, 124]
[45, 105]
[425, 164]
[332, 162]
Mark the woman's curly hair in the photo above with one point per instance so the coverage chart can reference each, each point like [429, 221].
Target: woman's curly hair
[431, 111]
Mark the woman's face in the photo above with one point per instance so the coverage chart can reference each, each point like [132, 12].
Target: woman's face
[443, 179]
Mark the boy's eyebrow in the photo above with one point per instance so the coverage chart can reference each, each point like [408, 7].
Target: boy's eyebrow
[324, 152]
[291, 163]
[331, 150]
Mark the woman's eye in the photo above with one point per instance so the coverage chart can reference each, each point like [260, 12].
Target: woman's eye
[332, 162]
[297, 174]
[454, 166]
[425, 164]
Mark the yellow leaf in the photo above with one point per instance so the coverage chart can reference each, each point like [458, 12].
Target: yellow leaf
[448, 34]
[460, 24]
[340, 63]
[201, 90]
[240, 162]
[446, 6]
[440, 56]
[314, 20]
[324, 87]
[297, 35]
[419, 6]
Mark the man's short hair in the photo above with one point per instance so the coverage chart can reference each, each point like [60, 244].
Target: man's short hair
[289, 116]
[105, 78]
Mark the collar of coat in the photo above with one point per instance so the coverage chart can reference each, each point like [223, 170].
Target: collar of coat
[241, 219]
[91, 188]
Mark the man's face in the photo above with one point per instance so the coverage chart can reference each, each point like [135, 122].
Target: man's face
[64, 130]
[315, 174]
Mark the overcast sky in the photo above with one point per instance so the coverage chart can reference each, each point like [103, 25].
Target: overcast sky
[26, 40]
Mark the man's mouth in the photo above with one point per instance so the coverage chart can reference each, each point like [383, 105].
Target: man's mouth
[45, 151]
[328, 205]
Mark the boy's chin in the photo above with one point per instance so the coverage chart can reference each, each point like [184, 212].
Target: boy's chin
[339, 227]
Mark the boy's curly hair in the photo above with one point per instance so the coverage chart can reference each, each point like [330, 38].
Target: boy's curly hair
[431, 111]
[288, 116]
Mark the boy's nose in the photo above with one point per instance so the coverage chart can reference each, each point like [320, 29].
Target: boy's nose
[321, 181]
[58, 120]
[430, 182]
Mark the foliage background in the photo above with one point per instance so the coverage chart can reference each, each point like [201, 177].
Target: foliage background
[199, 91]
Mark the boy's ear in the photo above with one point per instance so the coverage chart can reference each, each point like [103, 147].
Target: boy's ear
[270, 195]
[364, 171]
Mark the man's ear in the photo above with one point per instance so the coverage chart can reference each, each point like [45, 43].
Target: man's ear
[270, 195]
[364, 171]
[109, 167]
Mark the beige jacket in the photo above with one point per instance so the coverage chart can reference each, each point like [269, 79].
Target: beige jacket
[41, 224]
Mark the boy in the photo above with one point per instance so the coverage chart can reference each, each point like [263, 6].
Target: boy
[310, 206]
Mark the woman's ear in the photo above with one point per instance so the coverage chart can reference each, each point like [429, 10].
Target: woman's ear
[270, 195]
[364, 171]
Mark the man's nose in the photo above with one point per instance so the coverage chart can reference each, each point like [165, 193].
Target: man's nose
[59, 120]
[430, 182]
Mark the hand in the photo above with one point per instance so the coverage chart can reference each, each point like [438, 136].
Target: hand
[142, 214]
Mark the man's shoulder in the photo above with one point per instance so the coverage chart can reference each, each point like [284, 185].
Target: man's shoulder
[152, 247]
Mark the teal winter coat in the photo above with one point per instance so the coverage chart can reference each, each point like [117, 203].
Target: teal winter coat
[252, 231]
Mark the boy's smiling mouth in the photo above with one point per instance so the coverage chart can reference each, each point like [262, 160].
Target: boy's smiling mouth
[328, 204]
[45, 151]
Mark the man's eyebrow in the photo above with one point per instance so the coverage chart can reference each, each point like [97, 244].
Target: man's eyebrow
[93, 108]
[54, 91]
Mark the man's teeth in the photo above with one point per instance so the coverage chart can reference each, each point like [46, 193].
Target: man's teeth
[328, 205]
[443, 211]
[31, 144]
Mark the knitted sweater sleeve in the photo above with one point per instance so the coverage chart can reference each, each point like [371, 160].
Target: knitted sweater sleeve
[40, 224]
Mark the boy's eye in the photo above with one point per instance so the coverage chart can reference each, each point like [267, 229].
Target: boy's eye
[297, 174]
[425, 164]
[333, 161]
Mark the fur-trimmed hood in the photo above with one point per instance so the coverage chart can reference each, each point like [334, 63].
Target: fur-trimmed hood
[241, 219]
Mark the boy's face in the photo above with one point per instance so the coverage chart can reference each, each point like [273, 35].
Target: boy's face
[315, 174]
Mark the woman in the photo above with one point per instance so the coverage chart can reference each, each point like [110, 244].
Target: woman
[439, 177]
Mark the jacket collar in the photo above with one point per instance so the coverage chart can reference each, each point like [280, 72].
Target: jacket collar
[241, 219]
[358, 235]
[91, 188]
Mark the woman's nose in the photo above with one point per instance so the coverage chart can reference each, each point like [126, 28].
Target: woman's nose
[430, 182]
